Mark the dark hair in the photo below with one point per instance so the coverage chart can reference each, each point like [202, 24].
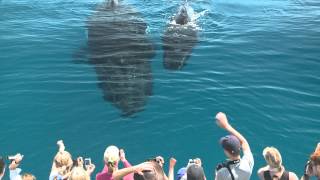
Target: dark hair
[2, 165]
[157, 174]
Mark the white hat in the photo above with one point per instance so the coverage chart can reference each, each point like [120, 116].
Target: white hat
[111, 154]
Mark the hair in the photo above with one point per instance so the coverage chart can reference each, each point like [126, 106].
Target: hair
[78, 173]
[111, 157]
[2, 165]
[63, 158]
[273, 157]
[157, 174]
[28, 176]
[315, 157]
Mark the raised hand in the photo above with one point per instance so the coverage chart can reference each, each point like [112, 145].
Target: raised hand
[122, 155]
[222, 120]
[90, 168]
[172, 162]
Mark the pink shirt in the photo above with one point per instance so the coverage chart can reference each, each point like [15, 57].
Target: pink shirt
[105, 175]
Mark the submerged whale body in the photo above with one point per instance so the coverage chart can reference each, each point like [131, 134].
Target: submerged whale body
[179, 39]
[121, 53]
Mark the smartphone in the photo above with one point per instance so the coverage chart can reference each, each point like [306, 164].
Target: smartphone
[87, 161]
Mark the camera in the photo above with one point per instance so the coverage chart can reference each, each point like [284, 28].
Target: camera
[87, 161]
[14, 157]
[194, 161]
[11, 158]
[191, 161]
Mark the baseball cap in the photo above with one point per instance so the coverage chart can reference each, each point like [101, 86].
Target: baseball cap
[231, 144]
[181, 172]
[195, 172]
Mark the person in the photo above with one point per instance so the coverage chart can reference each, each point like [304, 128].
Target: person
[312, 168]
[235, 168]
[79, 173]
[160, 161]
[193, 171]
[112, 156]
[15, 171]
[62, 163]
[2, 167]
[155, 172]
[274, 168]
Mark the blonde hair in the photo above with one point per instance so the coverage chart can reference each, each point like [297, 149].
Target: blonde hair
[28, 176]
[111, 154]
[63, 158]
[272, 157]
[78, 173]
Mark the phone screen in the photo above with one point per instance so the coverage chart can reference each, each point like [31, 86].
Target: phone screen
[87, 161]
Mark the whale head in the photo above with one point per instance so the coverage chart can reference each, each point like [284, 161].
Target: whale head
[183, 16]
[113, 3]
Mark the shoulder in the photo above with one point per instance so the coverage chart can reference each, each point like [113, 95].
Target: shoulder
[261, 172]
[55, 175]
[222, 173]
[99, 175]
[293, 176]
[15, 173]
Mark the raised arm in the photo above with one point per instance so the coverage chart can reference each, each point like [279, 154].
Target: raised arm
[171, 168]
[119, 174]
[222, 121]
[123, 159]
[16, 161]
[126, 164]
[61, 148]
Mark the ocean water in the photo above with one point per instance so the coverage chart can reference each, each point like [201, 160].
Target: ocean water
[256, 60]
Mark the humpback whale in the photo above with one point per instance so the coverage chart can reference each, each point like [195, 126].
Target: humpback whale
[121, 53]
[179, 39]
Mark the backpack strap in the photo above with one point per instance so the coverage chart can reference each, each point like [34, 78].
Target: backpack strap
[266, 175]
[227, 165]
[285, 175]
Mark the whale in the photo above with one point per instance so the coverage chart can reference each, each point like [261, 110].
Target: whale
[121, 51]
[179, 38]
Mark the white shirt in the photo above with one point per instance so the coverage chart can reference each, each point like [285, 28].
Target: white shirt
[15, 174]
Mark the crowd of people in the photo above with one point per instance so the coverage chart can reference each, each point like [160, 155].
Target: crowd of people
[236, 167]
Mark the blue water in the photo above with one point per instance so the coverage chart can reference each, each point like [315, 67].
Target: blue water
[258, 61]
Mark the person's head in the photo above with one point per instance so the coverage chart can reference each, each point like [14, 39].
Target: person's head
[28, 176]
[314, 163]
[231, 146]
[273, 158]
[195, 172]
[78, 173]
[156, 174]
[63, 158]
[2, 167]
[111, 156]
